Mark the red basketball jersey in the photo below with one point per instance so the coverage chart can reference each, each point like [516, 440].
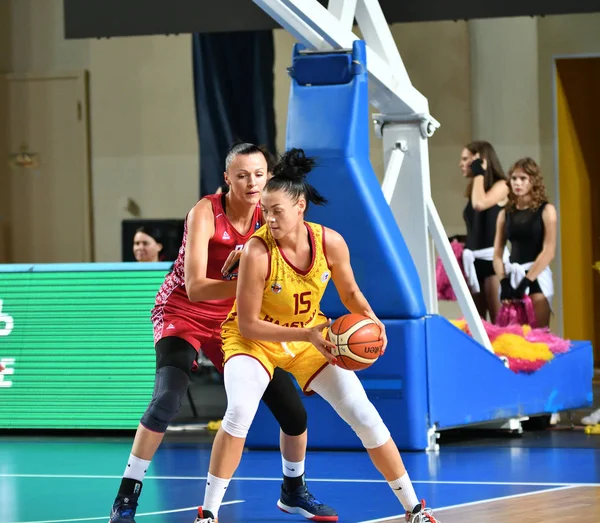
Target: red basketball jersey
[172, 296]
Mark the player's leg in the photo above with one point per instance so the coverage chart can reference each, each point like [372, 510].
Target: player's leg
[174, 359]
[480, 298]
[344, 392]
[480, 304]
[245, 382]
[542, 311]
[491, 287]
[283, 400]
[541, 307]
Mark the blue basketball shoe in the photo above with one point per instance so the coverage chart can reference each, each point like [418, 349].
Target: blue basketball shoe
[301, 501]
[123, 510]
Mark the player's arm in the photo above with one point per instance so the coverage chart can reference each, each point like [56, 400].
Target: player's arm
[233, 260]
[254, 266]
[548, 252]
[200, 230]
[499, 245]
[506, 290]
[482, 200]
[338, 259]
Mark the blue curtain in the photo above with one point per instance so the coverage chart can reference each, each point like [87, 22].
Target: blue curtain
[233, 87]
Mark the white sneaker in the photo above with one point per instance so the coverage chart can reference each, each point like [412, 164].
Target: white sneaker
[591, 419]
[420, 514]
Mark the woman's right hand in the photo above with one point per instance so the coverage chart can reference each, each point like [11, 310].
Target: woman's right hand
[232, 262]
[317, 338]
[480, 163]
[507, 293]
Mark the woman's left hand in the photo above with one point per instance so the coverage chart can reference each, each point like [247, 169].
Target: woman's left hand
[382, 334]
[522, 289]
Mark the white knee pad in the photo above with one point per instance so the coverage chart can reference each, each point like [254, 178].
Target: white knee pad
[245, 384]
[345, 393]
[237, 420]
[364, 419]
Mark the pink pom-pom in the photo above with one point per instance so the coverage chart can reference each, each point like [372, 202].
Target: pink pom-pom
[528, 313]
[444, 287]
[458, 248]
[556, 344]
[520, 365]
[493, 331]
[507, 315]
[517, 312]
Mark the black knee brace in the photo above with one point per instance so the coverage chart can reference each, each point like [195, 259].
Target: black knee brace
[169, 389]
[174, 358]
[285, 404]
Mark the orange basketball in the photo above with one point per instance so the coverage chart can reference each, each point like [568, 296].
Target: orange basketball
[357, 341]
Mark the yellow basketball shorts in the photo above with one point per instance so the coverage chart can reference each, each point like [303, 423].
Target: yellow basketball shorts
[301, 359]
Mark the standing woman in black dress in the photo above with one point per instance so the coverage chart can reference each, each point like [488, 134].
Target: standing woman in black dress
[529, 223]
[487, 193]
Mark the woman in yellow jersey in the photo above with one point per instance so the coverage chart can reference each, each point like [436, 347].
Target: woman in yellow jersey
[276, 322]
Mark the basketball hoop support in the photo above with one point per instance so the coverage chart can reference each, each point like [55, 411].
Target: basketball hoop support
[404, 123]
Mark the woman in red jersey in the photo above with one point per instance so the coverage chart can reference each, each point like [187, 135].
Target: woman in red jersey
[191, 304]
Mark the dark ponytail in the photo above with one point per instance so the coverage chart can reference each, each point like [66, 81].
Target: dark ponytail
[289, 175]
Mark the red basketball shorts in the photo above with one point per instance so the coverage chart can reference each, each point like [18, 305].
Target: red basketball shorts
[202, 334]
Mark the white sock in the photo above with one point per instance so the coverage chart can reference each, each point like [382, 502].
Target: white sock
[136, 468]
[405, 492]
[292, 469]
[214, 493]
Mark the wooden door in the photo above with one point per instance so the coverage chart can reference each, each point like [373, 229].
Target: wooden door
[47, 174]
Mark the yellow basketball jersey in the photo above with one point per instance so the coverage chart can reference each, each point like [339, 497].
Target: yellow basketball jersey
[291, 297]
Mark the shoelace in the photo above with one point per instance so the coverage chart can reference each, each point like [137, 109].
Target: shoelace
[125, 509]
[427, 516]
[128, 512]
[310, 499]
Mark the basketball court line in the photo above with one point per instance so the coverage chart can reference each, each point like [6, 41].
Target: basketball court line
[316, 480]
[479, 502]
[379, 520]
[173, 511]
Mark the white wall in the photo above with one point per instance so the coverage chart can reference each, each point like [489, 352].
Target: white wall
[144, 139]
[504, 82]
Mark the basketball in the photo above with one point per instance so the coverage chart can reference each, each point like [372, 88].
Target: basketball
[357, 340]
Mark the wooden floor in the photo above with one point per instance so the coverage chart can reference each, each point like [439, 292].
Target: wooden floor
[560, 505]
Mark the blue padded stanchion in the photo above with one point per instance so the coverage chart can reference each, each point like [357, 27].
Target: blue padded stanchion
[328, 117]
[468, 384]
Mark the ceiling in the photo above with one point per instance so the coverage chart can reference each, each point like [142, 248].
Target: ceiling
[107, 18]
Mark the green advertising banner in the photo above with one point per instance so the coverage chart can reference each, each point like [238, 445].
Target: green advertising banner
[76, 343]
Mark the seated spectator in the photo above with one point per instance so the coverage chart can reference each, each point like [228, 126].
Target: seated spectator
[147, 246]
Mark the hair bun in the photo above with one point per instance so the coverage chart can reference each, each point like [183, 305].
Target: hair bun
[294, 165]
